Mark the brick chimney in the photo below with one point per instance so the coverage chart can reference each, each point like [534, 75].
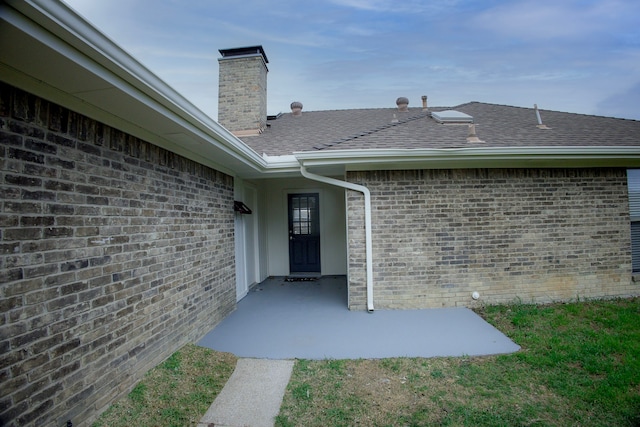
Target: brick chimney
[242, 90]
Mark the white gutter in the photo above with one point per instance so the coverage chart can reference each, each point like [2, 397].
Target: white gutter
[112, 71]
[474, 157]
[367, 219]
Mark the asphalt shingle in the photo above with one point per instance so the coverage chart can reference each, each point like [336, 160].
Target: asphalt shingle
[496, 126]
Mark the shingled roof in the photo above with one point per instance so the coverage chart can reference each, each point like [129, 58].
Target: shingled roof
[385, 128]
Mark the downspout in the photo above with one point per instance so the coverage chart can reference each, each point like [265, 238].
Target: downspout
[367, 224]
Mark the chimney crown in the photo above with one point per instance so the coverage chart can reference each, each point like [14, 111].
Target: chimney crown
[244, 51]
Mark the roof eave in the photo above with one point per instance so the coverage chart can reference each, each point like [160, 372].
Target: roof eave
[109, 85]
[475, 157]
[42, 43]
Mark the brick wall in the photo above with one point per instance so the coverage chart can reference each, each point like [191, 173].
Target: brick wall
[533, 235]
[113, 253]
[242, 93]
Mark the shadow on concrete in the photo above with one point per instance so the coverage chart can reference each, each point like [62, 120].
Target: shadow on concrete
[279, 319]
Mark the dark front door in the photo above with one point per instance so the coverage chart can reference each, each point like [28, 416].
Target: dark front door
[304, 233]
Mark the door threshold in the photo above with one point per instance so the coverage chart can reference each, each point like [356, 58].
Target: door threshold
[301, 277]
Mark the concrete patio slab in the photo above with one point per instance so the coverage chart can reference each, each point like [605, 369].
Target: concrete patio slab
[279, 319]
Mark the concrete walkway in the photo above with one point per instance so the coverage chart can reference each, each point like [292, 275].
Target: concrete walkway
[310, 320]
[252, 396]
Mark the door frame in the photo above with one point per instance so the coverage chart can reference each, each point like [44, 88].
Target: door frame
[302, 190]
[247, 256]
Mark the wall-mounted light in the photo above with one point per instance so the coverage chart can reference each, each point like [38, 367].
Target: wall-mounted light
[241, 208]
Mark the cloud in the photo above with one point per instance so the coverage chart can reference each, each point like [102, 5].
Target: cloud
[571, 55]
[532, 20]
[358, 30]
[371, 5]
[623, 104]
[401, 6]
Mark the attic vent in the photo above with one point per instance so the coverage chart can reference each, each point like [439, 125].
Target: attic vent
[402, 103]
[451, 116]
[296, 108]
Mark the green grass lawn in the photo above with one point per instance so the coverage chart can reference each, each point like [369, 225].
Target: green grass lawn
[175, 393]
[579, 366]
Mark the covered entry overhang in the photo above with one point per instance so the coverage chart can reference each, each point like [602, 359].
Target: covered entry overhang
[343, 161]
[330, 168]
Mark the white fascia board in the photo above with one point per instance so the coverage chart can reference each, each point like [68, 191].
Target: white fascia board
[475, 157]
[55, 25]
[281, 162]
[277, 167]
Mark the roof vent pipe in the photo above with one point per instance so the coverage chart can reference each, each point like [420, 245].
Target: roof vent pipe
[296, 108]
[540, 124]
[424, 103]
[472, 136]
[402, 103]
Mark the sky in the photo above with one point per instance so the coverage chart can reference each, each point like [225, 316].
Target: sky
[580, 56]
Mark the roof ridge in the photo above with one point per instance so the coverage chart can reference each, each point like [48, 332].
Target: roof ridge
[339, 110]
[385, 126]
[520, 107]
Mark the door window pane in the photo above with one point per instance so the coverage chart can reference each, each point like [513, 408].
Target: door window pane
[304, 215]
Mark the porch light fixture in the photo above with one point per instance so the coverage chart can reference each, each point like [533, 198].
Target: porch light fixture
[241, 208]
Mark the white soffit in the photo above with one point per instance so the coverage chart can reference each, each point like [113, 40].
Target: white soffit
[48, 50]
[451, 116]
